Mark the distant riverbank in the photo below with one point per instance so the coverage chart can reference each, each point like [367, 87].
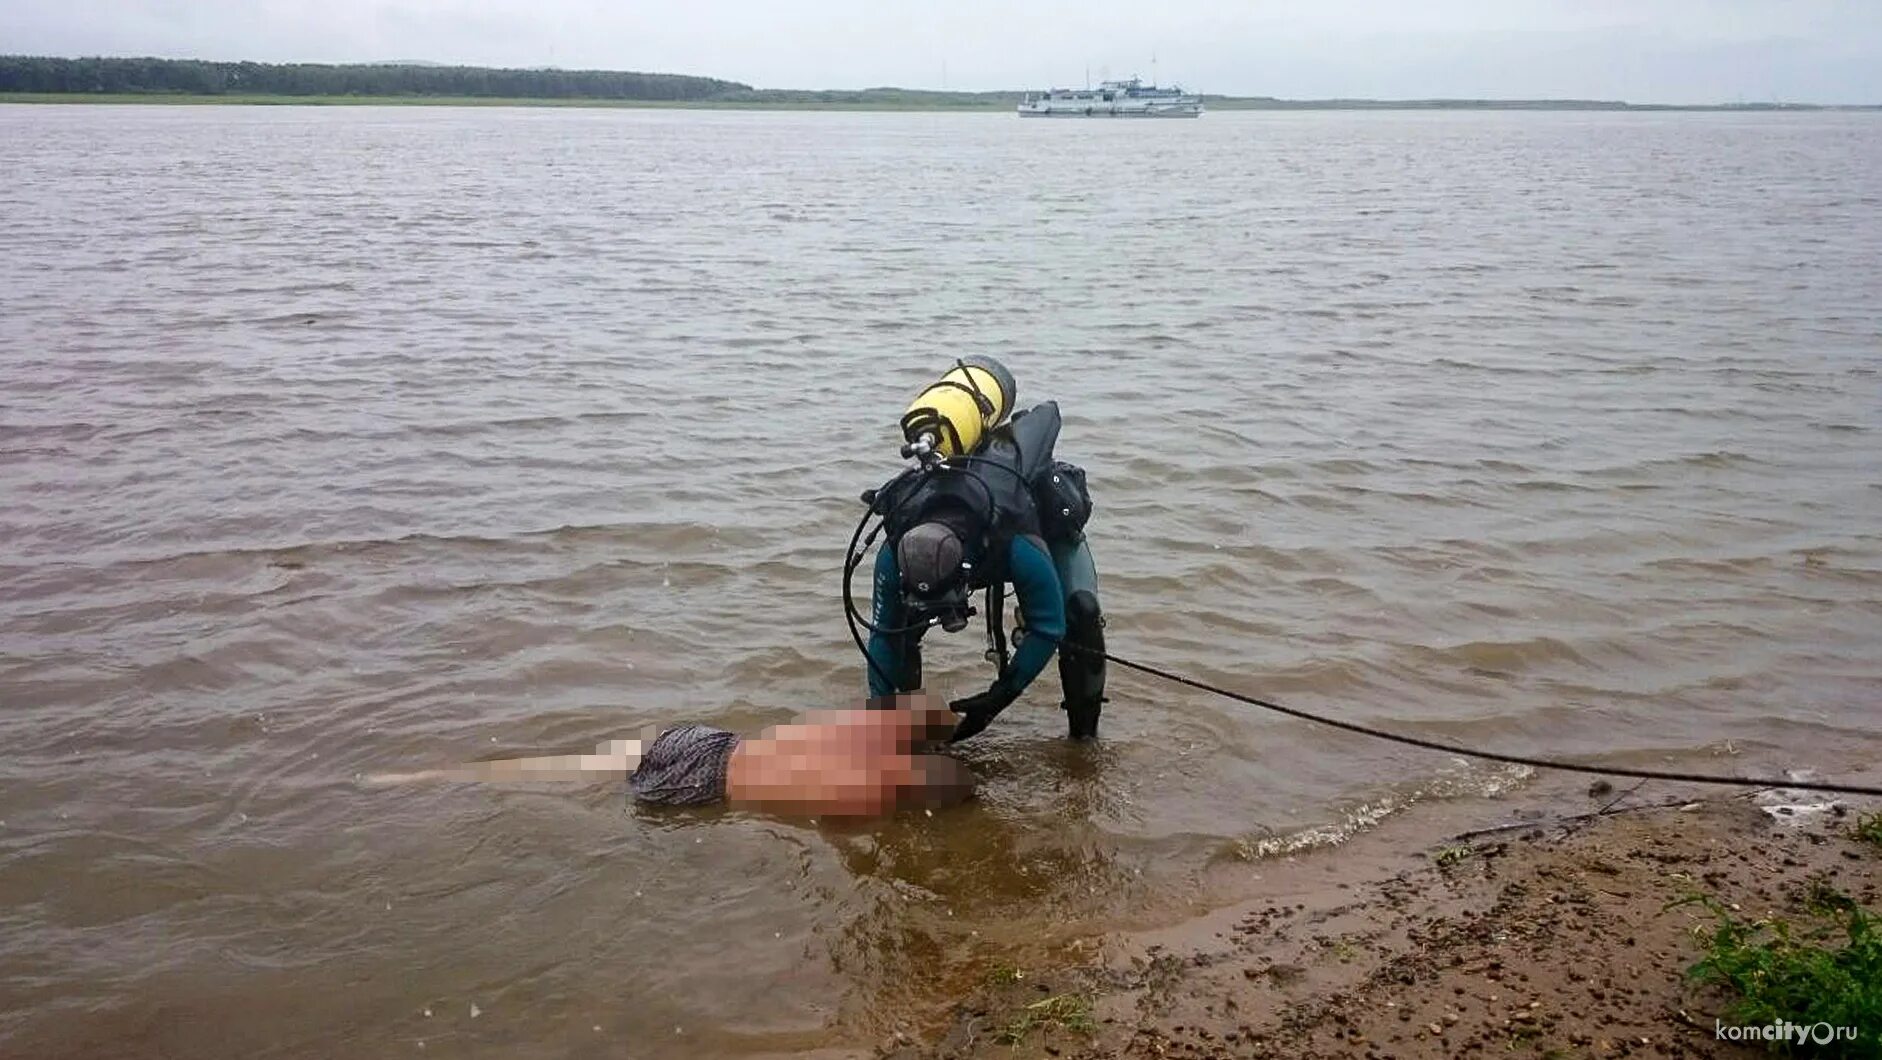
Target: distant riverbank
[47, 79]
[262, 100]
[871, 100]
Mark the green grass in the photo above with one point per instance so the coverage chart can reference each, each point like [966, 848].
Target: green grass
[1003, 974]
[1071, 1012]
[1823, 969]
[1868, 829]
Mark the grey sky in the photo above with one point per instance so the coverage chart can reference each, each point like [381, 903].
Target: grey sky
[1644, 50]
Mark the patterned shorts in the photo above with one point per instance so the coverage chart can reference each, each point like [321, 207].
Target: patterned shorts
[685, 766]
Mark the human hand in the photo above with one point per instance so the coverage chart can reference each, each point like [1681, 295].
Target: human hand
[978, 711]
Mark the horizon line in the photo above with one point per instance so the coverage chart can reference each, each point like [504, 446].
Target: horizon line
[1581, 102]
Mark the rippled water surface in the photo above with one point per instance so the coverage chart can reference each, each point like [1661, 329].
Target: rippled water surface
[342, 440]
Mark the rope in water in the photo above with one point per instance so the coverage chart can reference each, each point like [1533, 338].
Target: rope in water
[1493, 756]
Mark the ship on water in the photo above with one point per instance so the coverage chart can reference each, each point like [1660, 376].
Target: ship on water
[1113, 99]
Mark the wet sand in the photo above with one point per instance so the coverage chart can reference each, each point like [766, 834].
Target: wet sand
[1555, 937]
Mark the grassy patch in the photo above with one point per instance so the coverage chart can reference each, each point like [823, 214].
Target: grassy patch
[1004, 974]
[1824, 969]
[1071, 1012]
[1868, 829]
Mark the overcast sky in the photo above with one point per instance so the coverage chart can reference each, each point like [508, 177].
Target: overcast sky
[1678, 51]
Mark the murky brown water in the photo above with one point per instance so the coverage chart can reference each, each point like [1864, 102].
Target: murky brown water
[345, 440]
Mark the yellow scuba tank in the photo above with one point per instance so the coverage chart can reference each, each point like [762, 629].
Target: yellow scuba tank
[954, 413]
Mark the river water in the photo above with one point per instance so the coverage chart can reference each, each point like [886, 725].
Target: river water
[341, 440]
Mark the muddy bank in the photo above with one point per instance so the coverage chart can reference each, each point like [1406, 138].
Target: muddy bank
[1546, 938]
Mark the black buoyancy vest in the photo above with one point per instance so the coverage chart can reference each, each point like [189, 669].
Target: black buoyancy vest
[995, 481]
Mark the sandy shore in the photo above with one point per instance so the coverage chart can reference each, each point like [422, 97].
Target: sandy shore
[1549, 938]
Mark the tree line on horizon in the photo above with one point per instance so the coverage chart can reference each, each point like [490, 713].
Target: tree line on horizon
[198, 77]
[100, 76]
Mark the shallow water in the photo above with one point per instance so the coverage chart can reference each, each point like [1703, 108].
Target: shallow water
[338, 440]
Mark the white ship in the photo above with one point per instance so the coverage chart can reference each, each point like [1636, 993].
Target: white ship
[1113, 99]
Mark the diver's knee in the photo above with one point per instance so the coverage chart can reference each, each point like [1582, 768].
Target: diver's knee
[1084, 620]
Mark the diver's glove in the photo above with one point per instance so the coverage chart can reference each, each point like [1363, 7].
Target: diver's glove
[978, 711]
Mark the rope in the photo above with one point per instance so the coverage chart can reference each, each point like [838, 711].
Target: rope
[1493, 756]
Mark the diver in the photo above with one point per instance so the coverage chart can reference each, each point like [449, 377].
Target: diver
[987, 506]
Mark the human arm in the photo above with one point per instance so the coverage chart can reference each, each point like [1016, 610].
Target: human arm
[1042, 606]
[884, 655]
